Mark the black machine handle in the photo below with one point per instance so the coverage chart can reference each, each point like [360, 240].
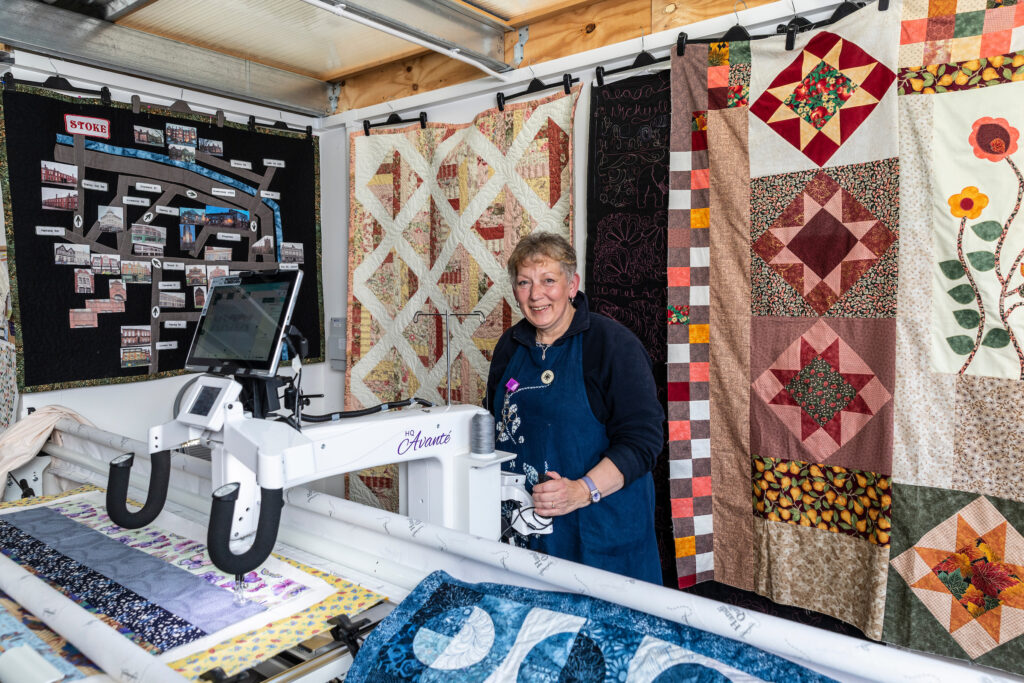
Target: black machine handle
[117, 490]
[218, 536]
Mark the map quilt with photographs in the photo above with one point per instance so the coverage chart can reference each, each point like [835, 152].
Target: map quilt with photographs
[118, 221]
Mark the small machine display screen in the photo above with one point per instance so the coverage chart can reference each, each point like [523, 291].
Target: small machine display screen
[204, 402]
[243, 323]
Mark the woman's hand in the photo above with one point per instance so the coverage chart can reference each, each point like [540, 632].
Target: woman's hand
[558, 496]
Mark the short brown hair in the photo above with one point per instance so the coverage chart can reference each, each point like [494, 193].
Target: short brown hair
[539, 245]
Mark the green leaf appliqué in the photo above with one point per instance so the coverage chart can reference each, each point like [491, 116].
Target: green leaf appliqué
[982, 260]
[961, 344]
[952, 269]
[967, 318]
[996, 338]
[962, 294]
[987, 230]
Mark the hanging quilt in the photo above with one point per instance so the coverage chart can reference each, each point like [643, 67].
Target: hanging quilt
[447, 629]
[434, 214]
[688, 333]
[627, 220]
[870, 472]
[117, 221]
[8, 382]
[956, 569]
[783, 243]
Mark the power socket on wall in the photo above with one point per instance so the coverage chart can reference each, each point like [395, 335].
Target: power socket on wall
[336, 344]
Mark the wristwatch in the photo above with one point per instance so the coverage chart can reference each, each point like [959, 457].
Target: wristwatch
[595, 494]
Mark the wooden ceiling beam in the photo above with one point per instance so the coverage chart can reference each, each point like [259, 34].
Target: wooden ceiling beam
[666, 14]
[568, 27]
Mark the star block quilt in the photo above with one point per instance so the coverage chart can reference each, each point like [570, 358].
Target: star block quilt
[822, 391]
[802, 233]
[824, 242]
[969, 572]
[824, 95]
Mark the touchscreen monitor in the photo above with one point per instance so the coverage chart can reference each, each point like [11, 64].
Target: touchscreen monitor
[244, 319]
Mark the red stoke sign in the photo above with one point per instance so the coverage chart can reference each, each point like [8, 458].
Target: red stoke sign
[87, 125]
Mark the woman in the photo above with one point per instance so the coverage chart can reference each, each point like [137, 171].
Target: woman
[573, 397]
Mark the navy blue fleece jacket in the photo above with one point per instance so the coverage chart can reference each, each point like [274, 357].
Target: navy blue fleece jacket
[620, 386]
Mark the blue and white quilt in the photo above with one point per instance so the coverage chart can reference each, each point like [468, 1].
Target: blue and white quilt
[448, 630]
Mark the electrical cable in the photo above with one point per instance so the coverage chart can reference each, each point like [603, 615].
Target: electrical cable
[519, 515]
[368, 411]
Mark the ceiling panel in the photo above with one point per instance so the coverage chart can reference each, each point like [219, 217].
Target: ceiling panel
[510, 9]
[286, 34]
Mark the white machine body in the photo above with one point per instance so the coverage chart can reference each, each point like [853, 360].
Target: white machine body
[448, 485]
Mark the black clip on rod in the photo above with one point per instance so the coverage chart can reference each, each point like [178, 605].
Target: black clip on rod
[117, 490]
[218, 536]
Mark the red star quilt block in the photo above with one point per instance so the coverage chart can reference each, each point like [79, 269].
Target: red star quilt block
[969, 572]
[823, 96]
[823, 242]
[822, 391]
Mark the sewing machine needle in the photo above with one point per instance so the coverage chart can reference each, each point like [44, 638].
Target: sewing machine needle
[239, 590]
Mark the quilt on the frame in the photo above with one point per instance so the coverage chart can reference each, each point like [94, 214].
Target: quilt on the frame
[147, 618]
[450, 630]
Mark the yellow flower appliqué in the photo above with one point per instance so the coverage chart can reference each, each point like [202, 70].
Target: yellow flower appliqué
[968, 203]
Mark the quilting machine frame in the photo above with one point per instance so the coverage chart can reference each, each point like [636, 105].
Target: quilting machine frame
[391, 553]
[257, 455]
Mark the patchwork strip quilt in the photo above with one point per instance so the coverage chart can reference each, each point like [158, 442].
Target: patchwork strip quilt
[866, 271]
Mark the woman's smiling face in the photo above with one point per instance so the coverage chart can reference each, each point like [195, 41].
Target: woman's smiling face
[543, 290]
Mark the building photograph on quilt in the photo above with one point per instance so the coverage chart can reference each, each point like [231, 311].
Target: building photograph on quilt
[511, 340]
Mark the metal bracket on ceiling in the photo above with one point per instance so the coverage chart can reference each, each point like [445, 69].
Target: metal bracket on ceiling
[333, 95]
[52, 31]
[519, 50]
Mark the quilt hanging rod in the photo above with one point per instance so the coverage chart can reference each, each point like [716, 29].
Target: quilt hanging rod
[703, 32]
[643, 59]
[393, 120]
[796, 24]
[58, 83]
[535, 86]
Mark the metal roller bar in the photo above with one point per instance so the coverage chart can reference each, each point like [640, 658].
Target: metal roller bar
[38, 27]
[440, 23]
[325, 519]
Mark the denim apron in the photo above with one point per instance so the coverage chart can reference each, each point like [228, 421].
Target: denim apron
[550, 427]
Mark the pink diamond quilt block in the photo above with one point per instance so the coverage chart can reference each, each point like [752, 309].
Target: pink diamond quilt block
[822, 391]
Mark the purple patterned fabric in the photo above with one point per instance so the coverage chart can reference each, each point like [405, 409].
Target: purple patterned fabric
[148, 625]
[190, 597]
